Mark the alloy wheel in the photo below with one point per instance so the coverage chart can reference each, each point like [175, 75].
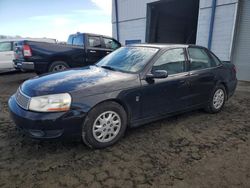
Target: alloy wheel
[106, 126]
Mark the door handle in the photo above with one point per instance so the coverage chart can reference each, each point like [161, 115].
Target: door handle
[107, 52]
[92, 51]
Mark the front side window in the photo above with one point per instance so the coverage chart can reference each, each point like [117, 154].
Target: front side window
[5, 46]
[111, 44]
[173, 61]
[128, 59]
[94, 42]
[199, 59]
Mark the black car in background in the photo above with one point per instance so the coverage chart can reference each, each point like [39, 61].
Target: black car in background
[82, 49]
[129, 87]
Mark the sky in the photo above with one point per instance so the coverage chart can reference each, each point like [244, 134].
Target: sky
[54, 18]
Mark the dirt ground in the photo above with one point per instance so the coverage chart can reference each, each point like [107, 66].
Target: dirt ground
[195, 149]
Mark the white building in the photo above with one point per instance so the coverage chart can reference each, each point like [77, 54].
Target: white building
[221, 25]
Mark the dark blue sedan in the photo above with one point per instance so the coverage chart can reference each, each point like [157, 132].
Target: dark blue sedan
[132, 86]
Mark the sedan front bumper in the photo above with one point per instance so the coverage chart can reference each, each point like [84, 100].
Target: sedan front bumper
[47, 125]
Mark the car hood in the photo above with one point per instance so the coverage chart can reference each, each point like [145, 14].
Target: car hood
[89, 80]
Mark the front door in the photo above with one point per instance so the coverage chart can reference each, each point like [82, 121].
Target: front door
[166, 95]
[94, 49]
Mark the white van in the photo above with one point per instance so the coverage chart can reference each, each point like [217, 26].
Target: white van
[7, 51]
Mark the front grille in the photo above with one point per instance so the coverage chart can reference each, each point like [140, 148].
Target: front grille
[22, 99]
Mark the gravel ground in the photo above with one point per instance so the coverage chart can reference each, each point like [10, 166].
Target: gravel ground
[195, 149]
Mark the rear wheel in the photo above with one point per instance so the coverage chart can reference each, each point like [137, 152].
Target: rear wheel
[217, 99]
[57, 66]
[104, 125]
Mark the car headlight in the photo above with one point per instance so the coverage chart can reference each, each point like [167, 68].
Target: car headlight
[50, 103]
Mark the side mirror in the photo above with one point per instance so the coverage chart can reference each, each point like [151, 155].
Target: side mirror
[158, 74]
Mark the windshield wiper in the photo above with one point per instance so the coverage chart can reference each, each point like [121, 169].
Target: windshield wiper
[108, 67]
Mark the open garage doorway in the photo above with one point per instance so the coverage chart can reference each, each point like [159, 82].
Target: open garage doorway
[172, 21]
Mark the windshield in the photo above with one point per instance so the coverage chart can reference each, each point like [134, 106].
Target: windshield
[128, 59]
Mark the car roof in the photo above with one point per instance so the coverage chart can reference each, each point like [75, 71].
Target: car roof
[161, 46]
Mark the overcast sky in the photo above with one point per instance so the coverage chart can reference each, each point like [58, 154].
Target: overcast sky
[54, 18]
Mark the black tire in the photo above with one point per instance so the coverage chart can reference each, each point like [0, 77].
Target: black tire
[87, 128]
[211, 107]
[58, 64]
[38, 72]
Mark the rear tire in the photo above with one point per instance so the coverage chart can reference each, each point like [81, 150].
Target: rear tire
[217, 100]
[104, 125]
[58, 66]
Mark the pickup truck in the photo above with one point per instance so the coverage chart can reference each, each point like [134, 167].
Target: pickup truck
[7, 51]
[82, 49]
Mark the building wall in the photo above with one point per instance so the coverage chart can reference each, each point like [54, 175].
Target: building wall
[131, 18]
[224, 22]
[132, 23]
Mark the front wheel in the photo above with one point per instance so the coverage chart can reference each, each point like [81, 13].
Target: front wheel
[104, 125]
[217, 99]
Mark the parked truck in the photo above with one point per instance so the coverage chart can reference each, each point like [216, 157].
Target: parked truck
[7, 51]
[82, 49]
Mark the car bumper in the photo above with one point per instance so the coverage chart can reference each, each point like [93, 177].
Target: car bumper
[232, 87]
[46, 125]
[24, 65]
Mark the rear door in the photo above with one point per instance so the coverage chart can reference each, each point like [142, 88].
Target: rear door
[6, 55]
[202, 75]
[94, 49]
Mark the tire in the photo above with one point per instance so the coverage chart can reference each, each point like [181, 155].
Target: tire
[38, 72]
[98, 129]
[216, 105]
[57, 66]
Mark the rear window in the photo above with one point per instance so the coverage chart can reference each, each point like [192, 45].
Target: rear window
[70, 39]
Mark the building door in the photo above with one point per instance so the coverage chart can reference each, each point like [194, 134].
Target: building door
[241, 50]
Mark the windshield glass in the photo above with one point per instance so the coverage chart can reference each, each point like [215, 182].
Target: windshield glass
[128, 59]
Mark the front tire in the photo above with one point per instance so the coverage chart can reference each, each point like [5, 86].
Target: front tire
[217, 100]
[105, 125]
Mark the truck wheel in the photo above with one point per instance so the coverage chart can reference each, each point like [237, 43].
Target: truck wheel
[57, 66]
[104, 125]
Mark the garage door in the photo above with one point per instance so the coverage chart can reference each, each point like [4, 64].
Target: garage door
[241, 52]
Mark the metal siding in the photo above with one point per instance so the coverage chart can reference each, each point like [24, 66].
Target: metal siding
[241, 52]
[133, 30]
[223, 30]
[223, 26]
[208, 3]
[131, 18]
[131, 9]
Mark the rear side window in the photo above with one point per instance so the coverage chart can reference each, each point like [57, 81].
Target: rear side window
[5, 46]
[111, 44]
[78, 40]
[215, 59]
[94, 42]
[70, 40]
[199, 59]
[173, 61]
